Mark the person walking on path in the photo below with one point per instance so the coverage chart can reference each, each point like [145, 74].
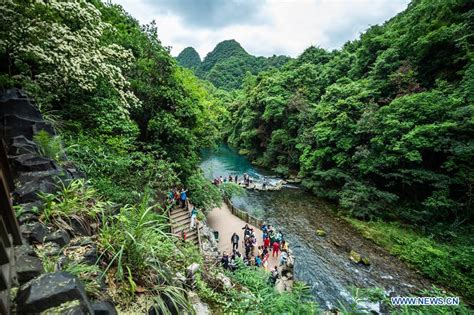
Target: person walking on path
[183, 197]
[276, 248]
[193, 218]
[235, 241]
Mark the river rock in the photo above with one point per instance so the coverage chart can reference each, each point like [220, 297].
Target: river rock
[355, 256]
[50, 290]
[320, 232]
[59, 237]
[365, 261]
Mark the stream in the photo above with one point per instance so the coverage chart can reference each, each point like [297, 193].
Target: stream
[322, 262]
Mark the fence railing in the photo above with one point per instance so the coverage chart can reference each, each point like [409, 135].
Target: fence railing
[9, 232]
[242, 214]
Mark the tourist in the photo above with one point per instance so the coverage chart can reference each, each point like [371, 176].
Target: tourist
[230, 178]
[225, 179]
[274, 276]
[265, 261]
[235, 241]
[272, 237]
[284, 246]
[259, 251]
[232, 264]
[176, 196]
[236, 179]
[171, 196]
[266, 243]
[283, 258]
[254, 245]
[194, 213]
[225, 260]
[220, 180]
[276, 248]
[258, 261]
[264, 251]
[183, 197]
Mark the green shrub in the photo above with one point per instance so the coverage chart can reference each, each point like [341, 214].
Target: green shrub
[448, 264]
[49, 146]
[203, 193]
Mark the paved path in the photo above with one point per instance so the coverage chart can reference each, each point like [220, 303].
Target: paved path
[222, 220]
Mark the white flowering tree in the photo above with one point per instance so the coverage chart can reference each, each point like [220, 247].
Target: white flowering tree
[54, 50]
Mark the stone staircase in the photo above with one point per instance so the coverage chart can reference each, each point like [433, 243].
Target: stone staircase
[180, 220]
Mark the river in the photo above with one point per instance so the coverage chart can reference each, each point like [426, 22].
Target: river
[321, 262]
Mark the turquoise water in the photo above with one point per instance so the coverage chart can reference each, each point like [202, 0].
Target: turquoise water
[324, 266]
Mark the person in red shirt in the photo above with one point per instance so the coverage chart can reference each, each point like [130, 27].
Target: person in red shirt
[266, 242]
[276, 248]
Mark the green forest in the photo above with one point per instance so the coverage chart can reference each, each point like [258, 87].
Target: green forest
[382, 128]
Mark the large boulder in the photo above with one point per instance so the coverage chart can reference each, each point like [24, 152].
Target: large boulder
[50, 290]
[28, 192]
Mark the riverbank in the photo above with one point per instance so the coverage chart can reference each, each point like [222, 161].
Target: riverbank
[449, 265]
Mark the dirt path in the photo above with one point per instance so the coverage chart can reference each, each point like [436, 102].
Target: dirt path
[223, 221]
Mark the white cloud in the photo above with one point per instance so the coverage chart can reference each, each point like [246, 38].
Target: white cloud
[282, 27]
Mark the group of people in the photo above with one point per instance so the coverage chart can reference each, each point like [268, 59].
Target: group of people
[257, 255]
[179, 197]
[232, 179]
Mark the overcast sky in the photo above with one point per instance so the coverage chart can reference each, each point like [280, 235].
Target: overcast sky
[262, 27]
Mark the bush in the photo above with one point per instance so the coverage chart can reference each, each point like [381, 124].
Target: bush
[49, 146]
[450, 265]
[204, 194]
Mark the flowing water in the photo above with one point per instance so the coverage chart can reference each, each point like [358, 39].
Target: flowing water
[322, 262]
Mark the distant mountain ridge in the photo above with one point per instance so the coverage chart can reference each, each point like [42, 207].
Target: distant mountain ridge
[227, 64]
[189, 58]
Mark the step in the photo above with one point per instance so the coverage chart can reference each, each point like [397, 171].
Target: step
[179, 214]
[179, 218]
[183, 221]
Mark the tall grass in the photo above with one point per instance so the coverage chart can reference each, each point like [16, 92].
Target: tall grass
[75, 199]
[137, 251]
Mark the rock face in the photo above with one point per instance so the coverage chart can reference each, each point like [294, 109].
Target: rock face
[49, 290]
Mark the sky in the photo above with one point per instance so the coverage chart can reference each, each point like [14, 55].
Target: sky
[262, 27]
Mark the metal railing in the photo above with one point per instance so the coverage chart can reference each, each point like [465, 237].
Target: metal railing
[242, 214]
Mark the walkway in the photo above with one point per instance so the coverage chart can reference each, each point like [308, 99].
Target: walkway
[180, 220]
[223, 221]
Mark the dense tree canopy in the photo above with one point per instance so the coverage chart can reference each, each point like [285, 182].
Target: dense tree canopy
[94, 69]
[383, 125]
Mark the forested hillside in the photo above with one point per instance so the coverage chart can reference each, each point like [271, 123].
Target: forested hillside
[384, 125]
[189, 58]
[227, 65]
